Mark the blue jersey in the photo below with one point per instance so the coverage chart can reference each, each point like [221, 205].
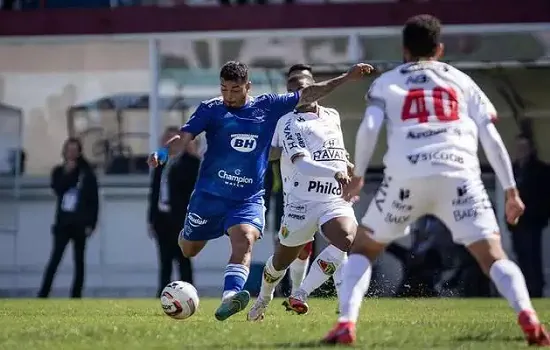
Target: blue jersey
[238, 142]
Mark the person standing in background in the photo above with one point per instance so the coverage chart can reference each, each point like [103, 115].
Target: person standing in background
[75, 186]
[171, 186]
[532, 177]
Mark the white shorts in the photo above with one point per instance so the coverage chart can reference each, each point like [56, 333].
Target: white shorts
[462, 204]
[302, 219]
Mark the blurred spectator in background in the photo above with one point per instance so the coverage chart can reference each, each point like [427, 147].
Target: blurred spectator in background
[422, 263]
[171, 186]
[431, 255]
[75, 186]
[273, 188]
[467, 277]
[533, 181]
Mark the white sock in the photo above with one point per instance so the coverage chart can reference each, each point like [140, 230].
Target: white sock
[324, 266]
[338, 275]
[511, 285]
[357, 273]
[298, 270]
[270, 279]
[228, 294]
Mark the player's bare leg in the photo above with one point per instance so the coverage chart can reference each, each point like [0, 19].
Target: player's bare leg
[510, 283]
[190, 249]
[274, 271]
[340, 232]
[356, 278]
[234, 298]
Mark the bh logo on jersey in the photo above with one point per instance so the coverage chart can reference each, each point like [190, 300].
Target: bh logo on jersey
[244, 142]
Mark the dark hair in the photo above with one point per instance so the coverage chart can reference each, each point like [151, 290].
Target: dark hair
[421, 35]
[74, 140]
[299, 67]
[296, 78]
[234, 71]
[81, 160]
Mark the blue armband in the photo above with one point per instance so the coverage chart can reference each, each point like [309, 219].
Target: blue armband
[162, 154]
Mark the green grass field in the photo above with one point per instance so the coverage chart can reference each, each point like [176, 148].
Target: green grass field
[140, 324]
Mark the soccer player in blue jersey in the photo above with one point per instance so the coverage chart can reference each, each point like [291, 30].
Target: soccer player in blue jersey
[228, 196]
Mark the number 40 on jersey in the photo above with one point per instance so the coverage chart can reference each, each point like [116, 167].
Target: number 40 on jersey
[420, 104]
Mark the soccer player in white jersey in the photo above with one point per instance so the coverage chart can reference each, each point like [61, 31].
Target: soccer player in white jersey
[323, 266]
[314, 168]
[435, 115]
[298, 268]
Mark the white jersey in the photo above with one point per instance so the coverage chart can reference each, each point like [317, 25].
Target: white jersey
[432, 113]
[320, 138]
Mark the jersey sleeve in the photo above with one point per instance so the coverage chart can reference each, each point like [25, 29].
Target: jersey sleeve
[293, 140]
[198, 122]
[281, 104]
[480, 108]
[375, 95]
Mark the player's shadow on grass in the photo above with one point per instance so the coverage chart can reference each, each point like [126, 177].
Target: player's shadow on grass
[485, 337]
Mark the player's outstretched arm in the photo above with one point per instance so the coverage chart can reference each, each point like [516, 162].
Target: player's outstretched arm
[317, 91]
[484, 113]
[173, 147]
[498, 157]
[197, 123]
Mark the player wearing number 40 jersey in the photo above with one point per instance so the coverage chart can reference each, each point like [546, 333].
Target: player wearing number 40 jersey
[435, 115]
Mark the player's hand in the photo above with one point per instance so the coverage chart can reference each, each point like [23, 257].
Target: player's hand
[153, 160]
[359, 70]
[351, 192]
[350, 168]
[514, 206]
[342, 178]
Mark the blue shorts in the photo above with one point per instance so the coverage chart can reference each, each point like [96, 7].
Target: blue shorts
[209, 217]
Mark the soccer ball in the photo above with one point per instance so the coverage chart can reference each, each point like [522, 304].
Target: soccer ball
[179, 300]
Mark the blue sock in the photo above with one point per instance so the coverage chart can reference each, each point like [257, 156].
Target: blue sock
[234, 279]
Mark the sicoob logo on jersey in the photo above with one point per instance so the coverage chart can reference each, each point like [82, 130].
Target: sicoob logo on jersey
[435, 158]
[244, 142]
